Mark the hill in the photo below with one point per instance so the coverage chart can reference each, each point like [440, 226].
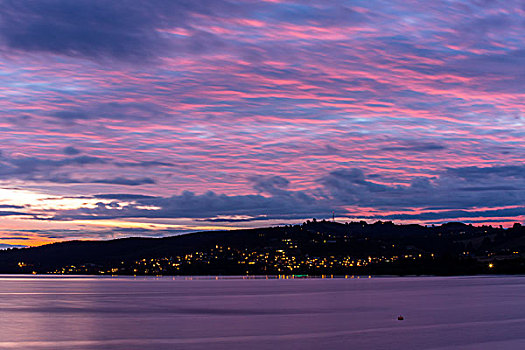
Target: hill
[313, 248]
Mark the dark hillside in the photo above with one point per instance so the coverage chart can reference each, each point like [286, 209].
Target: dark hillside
[317, 247]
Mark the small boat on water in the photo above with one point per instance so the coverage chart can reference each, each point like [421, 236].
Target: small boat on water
[400, 318]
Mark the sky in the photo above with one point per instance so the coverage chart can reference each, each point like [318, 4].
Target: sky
[153, 118]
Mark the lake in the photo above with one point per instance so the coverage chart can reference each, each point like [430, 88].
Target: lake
[41, 312]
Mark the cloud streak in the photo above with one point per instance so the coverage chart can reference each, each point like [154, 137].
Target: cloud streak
[245, 112]
[344, 190]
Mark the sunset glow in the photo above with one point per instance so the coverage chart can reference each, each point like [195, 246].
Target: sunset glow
[180, 116]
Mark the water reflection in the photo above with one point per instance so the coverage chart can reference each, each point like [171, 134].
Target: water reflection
[202, 313]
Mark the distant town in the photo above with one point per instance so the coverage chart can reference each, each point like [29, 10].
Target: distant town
[314, 248]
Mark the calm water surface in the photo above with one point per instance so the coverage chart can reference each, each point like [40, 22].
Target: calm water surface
[175, 313]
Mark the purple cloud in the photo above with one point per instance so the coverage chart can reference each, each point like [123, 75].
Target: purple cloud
[245, 112]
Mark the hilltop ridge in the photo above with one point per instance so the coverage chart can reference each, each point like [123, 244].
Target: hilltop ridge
[313, 248]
